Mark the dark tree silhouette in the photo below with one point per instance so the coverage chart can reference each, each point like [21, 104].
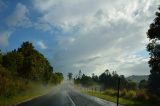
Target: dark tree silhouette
[154, 50]
[143, 84]
[70, 76]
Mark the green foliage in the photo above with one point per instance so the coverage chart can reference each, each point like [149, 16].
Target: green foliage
[135, 95]
[154, 50]
[24, 65]
[143, 84]
[35, 65]
[10, 87]
[131, 85]
[142, 95]
[107, 80]
[13, 61]
[84, 80]
[28, 63]
[57, 78]
[127, 97]
[111, 92]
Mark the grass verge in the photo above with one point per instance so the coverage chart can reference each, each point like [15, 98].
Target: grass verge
[123, 101]
[35, 91]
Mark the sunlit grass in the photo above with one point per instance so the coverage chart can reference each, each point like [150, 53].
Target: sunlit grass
[35, 90]
[111, 97]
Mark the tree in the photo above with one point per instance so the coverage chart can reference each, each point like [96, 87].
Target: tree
[106, 79]
[94, 77]
[35, 65]
[131, 85]
[26, 49]
[80, 74]
[70, 76]
[57, 78]
[143, 84]
[154, 50]
[28, 63]
[13, 61]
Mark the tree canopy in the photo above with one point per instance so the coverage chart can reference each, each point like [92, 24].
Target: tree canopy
[154, 50]
[106, 80]
[26, 62]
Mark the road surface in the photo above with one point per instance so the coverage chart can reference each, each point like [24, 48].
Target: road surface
[65, 95]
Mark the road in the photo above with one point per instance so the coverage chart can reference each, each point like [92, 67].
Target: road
[65, 95]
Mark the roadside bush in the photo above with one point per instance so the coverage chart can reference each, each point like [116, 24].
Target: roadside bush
[8, 86]
[123, 92]
[130, 94]
[111, 92]
[142, 95]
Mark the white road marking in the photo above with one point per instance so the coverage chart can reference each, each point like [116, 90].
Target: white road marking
[73, 104]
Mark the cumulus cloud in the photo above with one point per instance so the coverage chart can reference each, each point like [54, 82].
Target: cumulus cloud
[4, 36]
[41, 45]
[106, 34]
[19, 16]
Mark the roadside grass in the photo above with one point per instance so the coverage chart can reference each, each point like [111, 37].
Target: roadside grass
[122, 100]
[14, 89]
[35, 90]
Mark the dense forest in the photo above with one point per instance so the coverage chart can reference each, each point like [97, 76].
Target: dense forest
[24, 65]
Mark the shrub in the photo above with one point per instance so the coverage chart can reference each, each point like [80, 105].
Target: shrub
[123, 93]
[111, 92]
[8, 85]
[142, 95]
[130, 94]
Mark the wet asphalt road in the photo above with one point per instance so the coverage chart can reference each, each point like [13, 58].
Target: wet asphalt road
[66, 96]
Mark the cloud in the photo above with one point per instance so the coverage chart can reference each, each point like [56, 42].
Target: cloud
[4, 36]
[41, 45]
[42, 26]
[19, 16]
[106, 34]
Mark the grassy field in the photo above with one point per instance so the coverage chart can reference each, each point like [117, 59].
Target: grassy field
[35, 90]
[122, 100]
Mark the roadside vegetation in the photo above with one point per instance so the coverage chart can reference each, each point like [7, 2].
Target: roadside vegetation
[122, 100]
[105, 86]
[25, 73]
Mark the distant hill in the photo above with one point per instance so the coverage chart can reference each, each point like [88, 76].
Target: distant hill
[137, 78]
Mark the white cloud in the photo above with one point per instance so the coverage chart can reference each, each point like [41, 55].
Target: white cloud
[41, 45]
[4, 36]
[101, 34]
[19, 16]
[42, 26]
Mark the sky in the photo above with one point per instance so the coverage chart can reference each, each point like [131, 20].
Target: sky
[86, 35]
